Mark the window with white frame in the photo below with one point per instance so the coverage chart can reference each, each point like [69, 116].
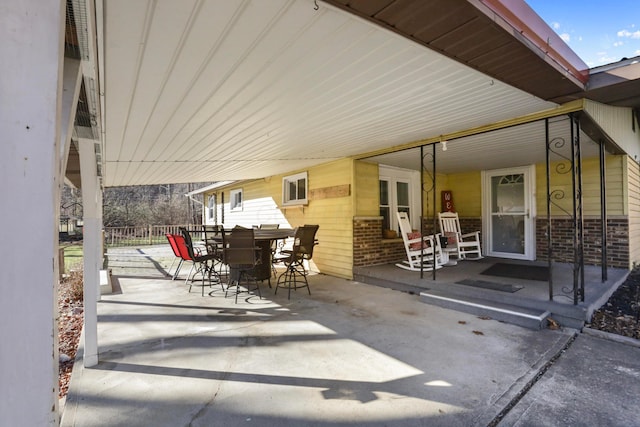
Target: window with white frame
[294, 189]
[235, 204]
[211, 208]
[399, 192]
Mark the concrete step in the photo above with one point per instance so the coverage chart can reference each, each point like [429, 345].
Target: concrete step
[522, 316]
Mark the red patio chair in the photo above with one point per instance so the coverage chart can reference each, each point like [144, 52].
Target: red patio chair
[176, 251]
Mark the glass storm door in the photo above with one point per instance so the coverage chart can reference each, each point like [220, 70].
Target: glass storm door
[509, 203]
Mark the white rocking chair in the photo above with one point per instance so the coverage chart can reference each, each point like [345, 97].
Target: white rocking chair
[423, 252]
[462, 246]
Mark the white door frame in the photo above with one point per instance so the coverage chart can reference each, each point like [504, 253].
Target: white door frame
[412, 178]
[529, 173]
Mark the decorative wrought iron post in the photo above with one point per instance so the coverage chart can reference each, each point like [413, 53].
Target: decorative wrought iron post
[549, 228]
[578, 220]
[421, 209]
[568, 162]
[435, 255]
[603, 211]
[424, 171]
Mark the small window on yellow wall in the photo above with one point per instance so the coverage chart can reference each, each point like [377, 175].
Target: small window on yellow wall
[211, 208]
[236, 200]
[294, 189]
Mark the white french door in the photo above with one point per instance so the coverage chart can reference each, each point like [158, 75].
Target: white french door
[399, 192]
[509, 213]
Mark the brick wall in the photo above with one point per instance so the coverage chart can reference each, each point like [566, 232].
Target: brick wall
[562, 241]
[369, 248]
[467, 225]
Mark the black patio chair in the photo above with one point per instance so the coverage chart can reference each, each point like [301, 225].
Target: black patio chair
[274, 249]
[214, 239]
[241, 256]
[295, 274]
[202, 261]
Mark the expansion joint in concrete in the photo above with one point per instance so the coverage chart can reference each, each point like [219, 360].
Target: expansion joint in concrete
[543, 369]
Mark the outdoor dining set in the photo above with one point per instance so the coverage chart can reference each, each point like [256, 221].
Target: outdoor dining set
[239, 259]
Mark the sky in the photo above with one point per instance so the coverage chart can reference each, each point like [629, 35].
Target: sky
[599, 31]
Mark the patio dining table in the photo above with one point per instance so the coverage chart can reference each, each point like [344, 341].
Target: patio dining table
[264, 239]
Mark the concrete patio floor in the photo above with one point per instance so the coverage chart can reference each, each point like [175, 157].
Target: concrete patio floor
[348, 354]
[533, 294]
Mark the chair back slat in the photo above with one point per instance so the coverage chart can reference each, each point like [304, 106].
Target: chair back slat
[449, 222]
[172, 242]
[405, 225]
[214, 239]
[295, 275]
[423, 252]
[182, 247]
[458, 244]
[240, 248]
[188, 241]
[305, 240]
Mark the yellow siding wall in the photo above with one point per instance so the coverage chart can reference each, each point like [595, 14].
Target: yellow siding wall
[367, 189]
[466, 191]
[633, 198]
[465, 187]
[590, 187]
[262, 201]
[334, 254]
[427, 196]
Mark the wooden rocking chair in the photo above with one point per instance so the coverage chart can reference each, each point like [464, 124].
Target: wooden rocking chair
[423, 252]
[462, 246]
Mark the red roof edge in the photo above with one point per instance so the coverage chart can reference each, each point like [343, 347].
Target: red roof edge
[519, 16]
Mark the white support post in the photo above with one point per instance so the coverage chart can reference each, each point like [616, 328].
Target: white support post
[92, 247]
[32, 51]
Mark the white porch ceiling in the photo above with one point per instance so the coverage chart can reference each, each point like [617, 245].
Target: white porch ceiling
[211, 90]
[509, 147]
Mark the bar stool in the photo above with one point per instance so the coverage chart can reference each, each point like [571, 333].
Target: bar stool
[242, 256]
[295, 274]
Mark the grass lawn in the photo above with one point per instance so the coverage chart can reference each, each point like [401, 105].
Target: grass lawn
[73, 257]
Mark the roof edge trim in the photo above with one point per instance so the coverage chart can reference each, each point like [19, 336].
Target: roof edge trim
[213, 186]
[526, 22]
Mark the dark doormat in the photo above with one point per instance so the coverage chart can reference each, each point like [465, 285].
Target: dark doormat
[502, 287]
[518, 271]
